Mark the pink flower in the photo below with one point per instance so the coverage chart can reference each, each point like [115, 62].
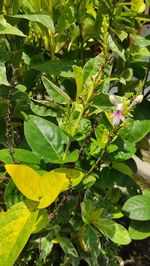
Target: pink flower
[118, 117]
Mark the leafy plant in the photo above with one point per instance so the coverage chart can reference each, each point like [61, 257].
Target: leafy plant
[73, 108]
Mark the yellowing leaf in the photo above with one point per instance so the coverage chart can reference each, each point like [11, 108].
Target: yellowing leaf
[42, 188]
[15, 229]
[138, 6]
[73, 176]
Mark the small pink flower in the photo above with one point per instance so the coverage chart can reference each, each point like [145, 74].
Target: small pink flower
[118, 117]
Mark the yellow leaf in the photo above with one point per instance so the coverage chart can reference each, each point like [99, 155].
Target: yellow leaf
[42, 188]
[15, 229]
[138, 6]
[73, 176]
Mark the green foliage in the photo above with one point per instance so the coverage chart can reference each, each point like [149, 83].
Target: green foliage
[74, 104]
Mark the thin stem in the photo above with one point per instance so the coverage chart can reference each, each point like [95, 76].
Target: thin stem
[66, 150]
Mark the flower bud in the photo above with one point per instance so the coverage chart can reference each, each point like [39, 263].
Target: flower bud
[112, 99]
[137, 100]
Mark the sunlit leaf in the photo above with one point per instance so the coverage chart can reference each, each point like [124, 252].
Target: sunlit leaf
[40, 18]
[116, 232]
[139, 230]
[58, 95]
[49, 140]
[74, 176]
[138, 6]
[6, 28]
[16, 226]
[138, 208]
[42, 188]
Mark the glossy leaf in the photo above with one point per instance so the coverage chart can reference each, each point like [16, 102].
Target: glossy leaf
[120, 150]
[40, 18]
[49, 140]
[139, 230]
[110, 177]
[138, 208]
[41, 188]
[116, 232]
[6, 28]
[135, 130]
[58, 95]
[15, 229]
[43, 108]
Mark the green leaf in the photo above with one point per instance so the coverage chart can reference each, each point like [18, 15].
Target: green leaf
[67, 246]
[45, 247]
[71, 157]
[89, 241]
[109, 178]
[20, 156]
[49, 140]
[58, 95]
[105, 8]
[65, 212]
[41, 222]
[116, 48]
[15, 229]
[53, 67]
[140, 40]
[138, 208]
[43, 108]
[89, 213]
[122, 167]
[45, 20]
[12, 195]
[120, 150]
[6, 28]
[78, 75]
[66, 18]
[116, 232]
[101, 102]
[139, 230]
[3, 77]
[91, 69]
[137, 128]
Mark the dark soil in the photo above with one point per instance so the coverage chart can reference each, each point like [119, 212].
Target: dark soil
[137, 253]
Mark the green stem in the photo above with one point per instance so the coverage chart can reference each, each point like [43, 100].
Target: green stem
[66, 150]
